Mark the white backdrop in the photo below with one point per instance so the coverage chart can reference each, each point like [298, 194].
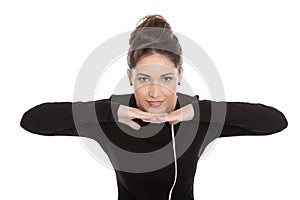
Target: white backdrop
[254, 45]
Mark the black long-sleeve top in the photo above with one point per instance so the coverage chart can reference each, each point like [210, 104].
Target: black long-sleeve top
[98, 120]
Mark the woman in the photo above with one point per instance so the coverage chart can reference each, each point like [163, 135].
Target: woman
[149, 119]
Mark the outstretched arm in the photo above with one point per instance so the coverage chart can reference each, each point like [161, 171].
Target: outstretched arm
[57, 118]
[245, 118]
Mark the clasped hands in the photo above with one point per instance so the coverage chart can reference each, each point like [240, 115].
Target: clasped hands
[126, 114]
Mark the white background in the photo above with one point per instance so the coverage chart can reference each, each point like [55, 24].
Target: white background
[254, 45]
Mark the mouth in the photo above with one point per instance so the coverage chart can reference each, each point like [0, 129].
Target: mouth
[155, 103]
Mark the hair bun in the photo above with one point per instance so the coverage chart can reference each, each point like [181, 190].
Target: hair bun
[152, 30]
[153, 34]
[153, 21]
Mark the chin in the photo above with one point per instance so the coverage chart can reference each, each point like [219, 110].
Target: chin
[156, 110]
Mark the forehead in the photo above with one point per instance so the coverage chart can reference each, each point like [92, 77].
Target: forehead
[155, 64]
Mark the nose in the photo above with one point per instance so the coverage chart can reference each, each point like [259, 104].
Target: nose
[154, 90]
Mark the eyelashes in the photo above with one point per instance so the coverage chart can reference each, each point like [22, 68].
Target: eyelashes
[143, 79]
[164, 79]
[167, 78]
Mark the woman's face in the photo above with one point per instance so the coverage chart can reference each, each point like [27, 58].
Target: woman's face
[155, 79]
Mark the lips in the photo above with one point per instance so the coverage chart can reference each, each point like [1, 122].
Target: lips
[155, 103]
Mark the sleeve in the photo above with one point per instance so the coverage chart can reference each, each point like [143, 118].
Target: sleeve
[243, 118]
[58, 118]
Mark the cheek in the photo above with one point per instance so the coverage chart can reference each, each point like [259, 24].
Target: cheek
[140, 93]
[169, 90]
[142, 89]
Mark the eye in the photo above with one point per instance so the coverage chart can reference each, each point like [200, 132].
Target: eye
[143, 79]
[167, 78]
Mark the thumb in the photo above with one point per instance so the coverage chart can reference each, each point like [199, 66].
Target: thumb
[173, 122]
[134, 125]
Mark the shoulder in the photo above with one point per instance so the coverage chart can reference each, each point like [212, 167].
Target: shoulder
[124, 99]
[185, 99]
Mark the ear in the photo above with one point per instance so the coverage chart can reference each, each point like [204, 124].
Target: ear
[129, 75]
[180, 74]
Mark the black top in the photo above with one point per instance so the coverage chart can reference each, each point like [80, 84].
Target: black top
[143, 178]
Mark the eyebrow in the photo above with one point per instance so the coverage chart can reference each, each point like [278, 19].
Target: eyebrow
[149, 76]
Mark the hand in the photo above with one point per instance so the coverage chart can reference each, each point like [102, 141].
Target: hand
[126, 114]
[185, 113]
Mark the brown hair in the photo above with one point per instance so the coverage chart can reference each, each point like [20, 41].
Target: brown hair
[154, 35]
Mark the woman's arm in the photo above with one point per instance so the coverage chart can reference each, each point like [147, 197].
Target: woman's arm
[244, 118]
[57, 118]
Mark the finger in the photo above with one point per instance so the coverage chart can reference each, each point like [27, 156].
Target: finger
[153, 120]
[134, 125]
[136, 113]
[160, 118]
[173, 122]
[146, 115]
[156, 120]
[146, 120]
